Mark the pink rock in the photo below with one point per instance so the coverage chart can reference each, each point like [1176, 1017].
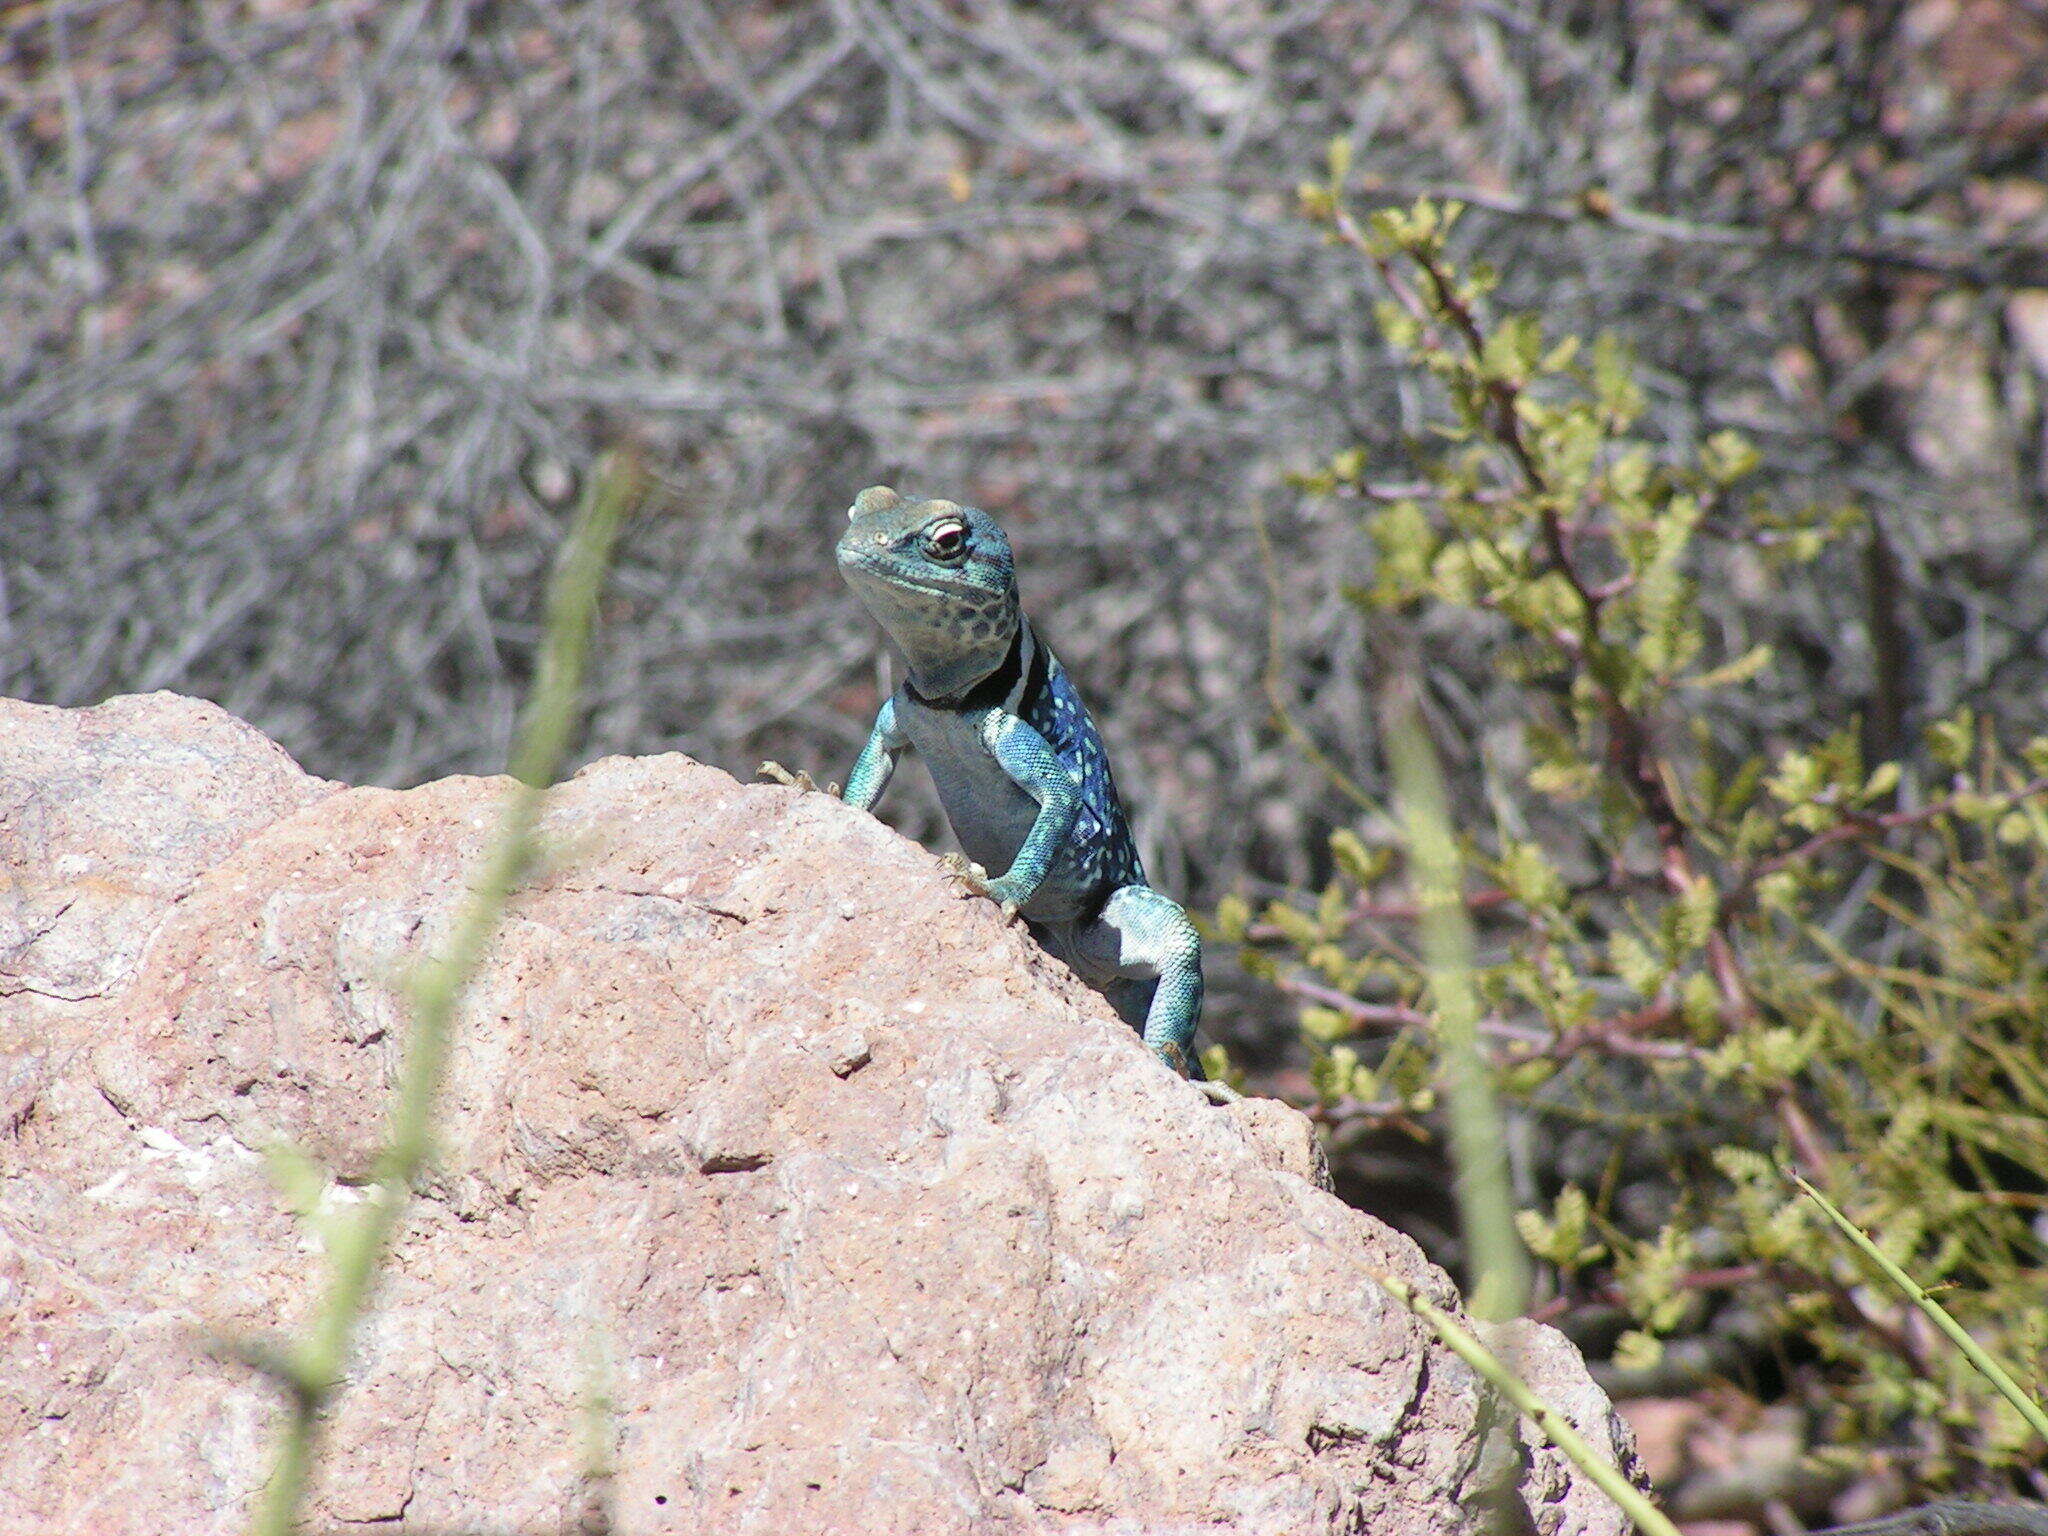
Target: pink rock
[107, 815]
[1560, 1500]
[866, 1215]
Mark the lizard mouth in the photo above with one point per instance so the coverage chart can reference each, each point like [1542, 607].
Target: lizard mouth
[887, 573]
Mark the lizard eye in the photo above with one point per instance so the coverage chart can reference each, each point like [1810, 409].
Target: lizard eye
[946, 541]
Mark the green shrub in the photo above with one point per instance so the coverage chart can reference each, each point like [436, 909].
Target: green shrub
[1717, 960]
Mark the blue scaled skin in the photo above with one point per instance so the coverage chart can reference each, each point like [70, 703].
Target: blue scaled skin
[1018, 764]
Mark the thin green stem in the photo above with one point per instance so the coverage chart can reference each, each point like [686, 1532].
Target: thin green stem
[1549, 1423]
[1270, 677]
[1935, 1312]
[1499, 1264]
[357, 1246]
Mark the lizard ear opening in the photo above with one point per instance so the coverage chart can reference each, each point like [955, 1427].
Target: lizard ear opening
[876, 498]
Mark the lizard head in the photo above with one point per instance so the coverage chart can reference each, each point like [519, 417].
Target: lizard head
[939, 578]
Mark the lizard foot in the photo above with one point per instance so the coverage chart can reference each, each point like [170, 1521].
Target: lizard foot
[976, 880]
[798, 780]
[1176, 1060]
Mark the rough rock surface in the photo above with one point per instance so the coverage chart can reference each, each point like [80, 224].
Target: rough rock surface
[877, 1219]
[1561, 1501]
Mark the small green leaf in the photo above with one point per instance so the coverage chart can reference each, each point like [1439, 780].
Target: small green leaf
[1407, 545]
[1330, 961]
[1527, 874]
[1741, 789]
[1693, 915]
[1330, 1073]
[1560, 1238]
[1333, 910]
[1614, 381]
[1649, 1279]
[1295, 925]
[1512, 349]
[1882, 781]
[1639, 969]
[1779, 891]
[1564, 781]
[1361, 865]
[1699, 1003]
[1740, 670]
[1799, 778]
[1560, 356]
[1233, 918]
[1340, 159]
[1744, 1165]
[1727, 457]
[1339, 1074]
[1525, 1077]
[1950, 741]
[1628, 477]
[1636, 1350]
[1326, 1024]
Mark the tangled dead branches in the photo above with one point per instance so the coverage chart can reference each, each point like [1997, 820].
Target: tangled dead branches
[312, 312]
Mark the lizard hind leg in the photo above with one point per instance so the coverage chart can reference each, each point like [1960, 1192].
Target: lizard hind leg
[1145, 949]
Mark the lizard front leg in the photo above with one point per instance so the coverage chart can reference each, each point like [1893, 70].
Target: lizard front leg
[1029, 760]
[871, 770]
[877, 760]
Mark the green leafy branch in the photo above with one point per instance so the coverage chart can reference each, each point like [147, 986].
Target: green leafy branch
[1790, 953]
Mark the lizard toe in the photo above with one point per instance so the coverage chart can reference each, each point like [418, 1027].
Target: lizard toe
[970, 875]
[800, 780]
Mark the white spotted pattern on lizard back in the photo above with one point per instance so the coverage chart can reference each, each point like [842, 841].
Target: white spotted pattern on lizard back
[1099, 851]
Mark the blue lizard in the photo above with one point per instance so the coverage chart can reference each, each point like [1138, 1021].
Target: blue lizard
[1019, 767]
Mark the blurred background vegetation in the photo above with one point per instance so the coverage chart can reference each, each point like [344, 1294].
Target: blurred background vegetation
[314, 312]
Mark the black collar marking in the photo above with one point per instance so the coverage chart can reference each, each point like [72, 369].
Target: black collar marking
[1011, 686]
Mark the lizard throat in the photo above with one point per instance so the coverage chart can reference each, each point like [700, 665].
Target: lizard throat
[1016, 679]
[951, 646]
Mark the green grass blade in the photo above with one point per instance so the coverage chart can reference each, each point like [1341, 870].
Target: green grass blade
[1975, 1353]
[1549, 1423]
[1498, 1263]
[312, 1369]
